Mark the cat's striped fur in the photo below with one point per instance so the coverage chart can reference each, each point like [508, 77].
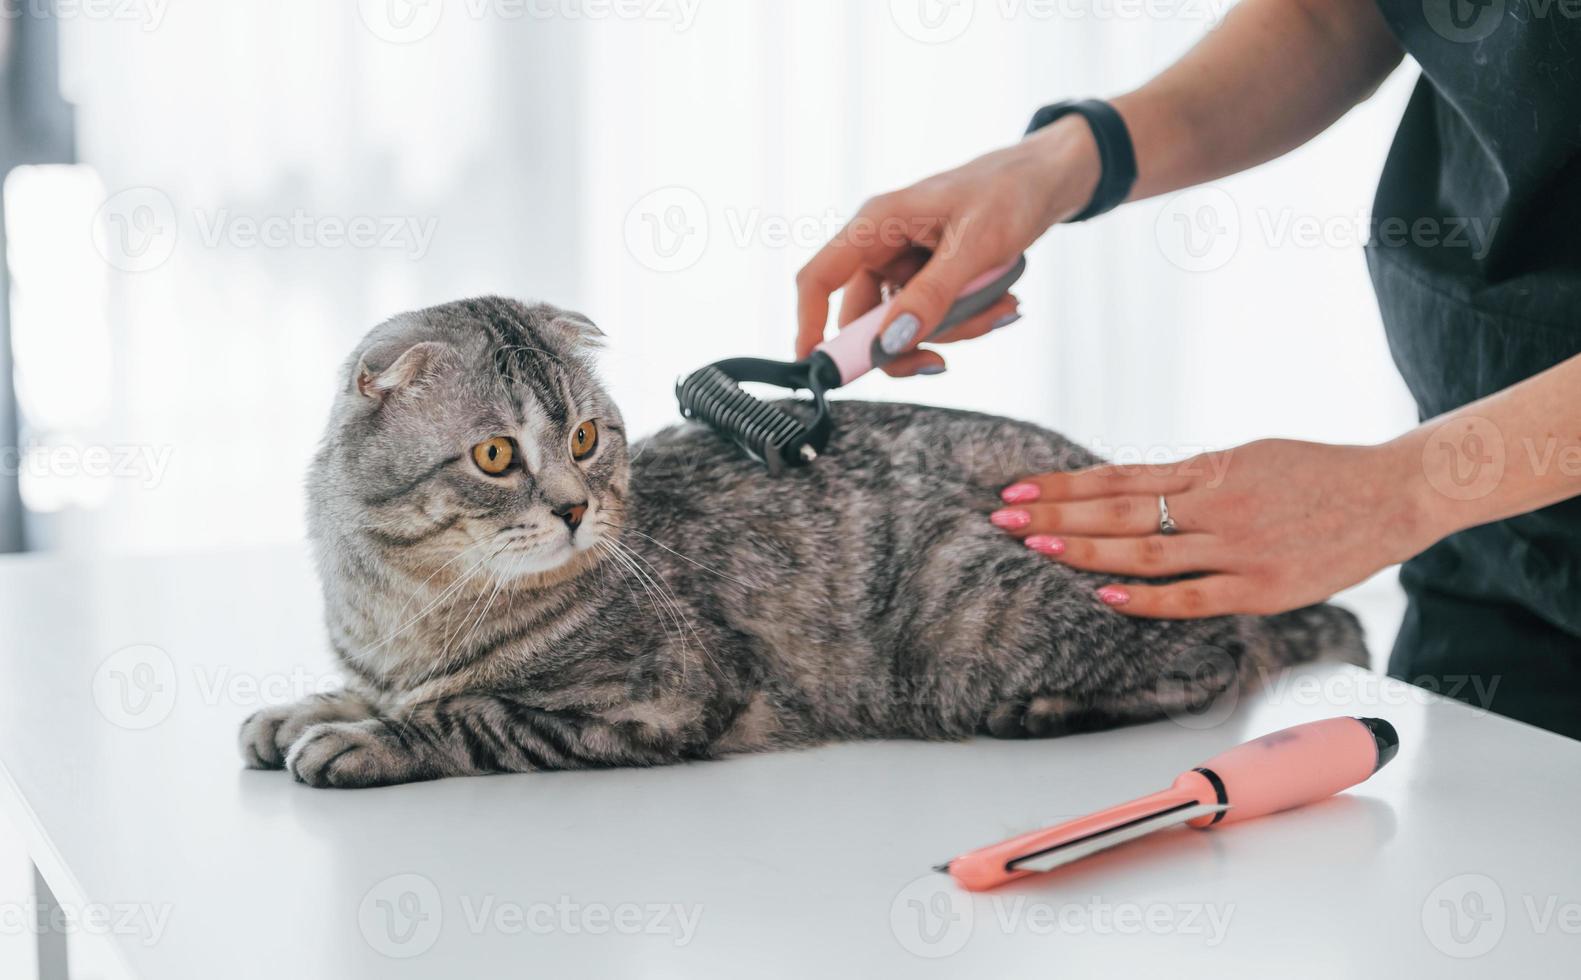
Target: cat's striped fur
[701, 608]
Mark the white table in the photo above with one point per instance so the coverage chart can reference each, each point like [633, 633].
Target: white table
[1459, 859]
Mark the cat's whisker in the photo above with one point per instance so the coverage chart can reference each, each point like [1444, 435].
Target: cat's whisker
[518, 565]
[450, 634]
[455, 558]
[620, 565]
[620, 528]
[661, 599]
[444, 593]
[499, 583]
[630, 571]
[673, 602]
[713, 571]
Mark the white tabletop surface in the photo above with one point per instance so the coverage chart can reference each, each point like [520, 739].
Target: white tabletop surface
[122, 682]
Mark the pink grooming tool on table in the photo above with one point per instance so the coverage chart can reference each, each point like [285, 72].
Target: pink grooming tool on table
[1286, 769]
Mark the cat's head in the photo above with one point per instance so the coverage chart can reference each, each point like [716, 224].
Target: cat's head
[473, 433]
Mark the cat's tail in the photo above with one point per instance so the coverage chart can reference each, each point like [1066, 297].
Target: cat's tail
[1321, 632]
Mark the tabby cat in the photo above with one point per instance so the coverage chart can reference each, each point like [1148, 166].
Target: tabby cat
[510, 585]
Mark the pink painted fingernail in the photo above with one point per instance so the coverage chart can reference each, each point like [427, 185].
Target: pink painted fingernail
[1046, 544]
[1113, 595]
[1020, 493]
[1010, 520]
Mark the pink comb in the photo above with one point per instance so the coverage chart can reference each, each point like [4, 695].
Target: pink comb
[1286, 769]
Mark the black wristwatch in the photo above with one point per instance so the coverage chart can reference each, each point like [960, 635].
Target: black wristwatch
[1116, 156]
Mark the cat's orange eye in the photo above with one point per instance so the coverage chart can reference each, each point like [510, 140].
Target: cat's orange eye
[494, 456]
[584, 440]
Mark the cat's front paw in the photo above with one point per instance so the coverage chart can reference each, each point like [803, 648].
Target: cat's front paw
[349, 755]
[267, 735]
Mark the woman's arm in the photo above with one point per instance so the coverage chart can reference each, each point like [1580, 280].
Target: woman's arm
[1279, 524]
[1273, 75]
[1509, 453]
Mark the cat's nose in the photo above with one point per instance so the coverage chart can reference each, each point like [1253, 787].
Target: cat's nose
[571, 513]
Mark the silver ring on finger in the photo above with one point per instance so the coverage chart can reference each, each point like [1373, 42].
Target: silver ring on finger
[1166, 524]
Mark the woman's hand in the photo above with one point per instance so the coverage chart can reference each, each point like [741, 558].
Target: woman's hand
[929, 240]
[1267, 527]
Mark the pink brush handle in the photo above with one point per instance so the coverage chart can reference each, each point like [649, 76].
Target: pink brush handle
[1297, 766]
[1285, 769]
[855, 349]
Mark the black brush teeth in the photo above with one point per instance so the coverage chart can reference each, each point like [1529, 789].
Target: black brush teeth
[769, 434]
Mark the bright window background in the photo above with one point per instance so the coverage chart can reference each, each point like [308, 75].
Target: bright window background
[185, 298]
[264, 180]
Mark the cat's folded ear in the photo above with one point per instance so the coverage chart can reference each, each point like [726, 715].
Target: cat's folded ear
[405, 373]
[578, 328]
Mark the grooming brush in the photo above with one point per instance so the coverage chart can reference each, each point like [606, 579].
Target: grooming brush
[713, 394]
[1286, 769]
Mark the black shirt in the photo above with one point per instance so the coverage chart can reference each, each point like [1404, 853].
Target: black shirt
[1476, 258]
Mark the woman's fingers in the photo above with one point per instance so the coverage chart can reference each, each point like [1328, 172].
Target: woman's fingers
[869, 287]
[862, 292]
[1212, 595]
[834, 266]
[924, 361]
[912, 363]
[926, 298]
[1114, 480]
[1104, 517]
[1000, 314]
[1152, 556]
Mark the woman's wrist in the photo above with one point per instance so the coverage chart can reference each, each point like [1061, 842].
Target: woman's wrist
[1065, 163]
[1427, 513]
[1495, 458]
